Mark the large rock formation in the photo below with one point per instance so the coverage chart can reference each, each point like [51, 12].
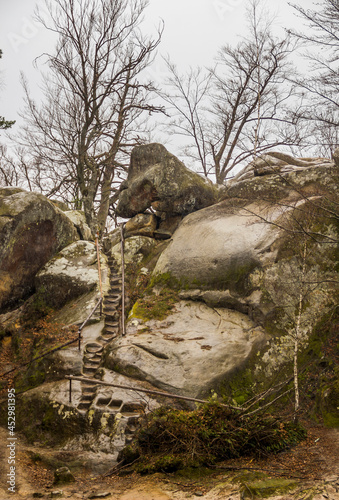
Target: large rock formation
[32, 230]
[219, 311]
[190, 352]
[157, 179]
[246, 253]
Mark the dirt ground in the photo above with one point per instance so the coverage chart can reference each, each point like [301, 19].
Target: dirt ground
[313, 465]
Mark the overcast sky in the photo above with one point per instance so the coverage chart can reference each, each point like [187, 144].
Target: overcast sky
[194, 31]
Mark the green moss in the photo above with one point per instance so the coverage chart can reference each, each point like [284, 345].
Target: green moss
[155, 306]
[264, 488]
[328, 403]
[158, 299]
[167, 280]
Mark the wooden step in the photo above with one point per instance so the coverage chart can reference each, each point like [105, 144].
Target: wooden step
[108, 338]
[85, 398]
[111, 331]
[113, 289]
[93, 356]
[111, 310]
[115, 280]
[111, 317]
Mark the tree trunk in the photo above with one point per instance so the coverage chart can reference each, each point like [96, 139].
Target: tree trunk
[88, 204]
[105, 198]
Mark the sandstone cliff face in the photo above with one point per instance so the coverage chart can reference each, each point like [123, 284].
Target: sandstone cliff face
[241, 257]
[213, 308]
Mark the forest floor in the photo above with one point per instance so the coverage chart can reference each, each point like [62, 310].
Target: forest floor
[310, 469]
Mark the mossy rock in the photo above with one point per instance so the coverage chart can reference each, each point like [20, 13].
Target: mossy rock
[328, 404]
[265, 488]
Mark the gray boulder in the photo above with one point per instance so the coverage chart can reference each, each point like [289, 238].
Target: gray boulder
[216, 248]
[79, 220]
[275, 162]
[190, 352]
[159, 180]
[141, 225]
[32, 230]
[70, 274]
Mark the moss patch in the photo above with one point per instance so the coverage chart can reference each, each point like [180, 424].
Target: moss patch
[155, 306]
[264, 488]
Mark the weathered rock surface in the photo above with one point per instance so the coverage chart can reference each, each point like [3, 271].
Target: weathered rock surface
[136, 247]
[245, 254]
[278, 163]
[79, 220]
[70, 274]
[188, 353]
[158, 179]
[141, 225]
[216, 248]
[32, 230]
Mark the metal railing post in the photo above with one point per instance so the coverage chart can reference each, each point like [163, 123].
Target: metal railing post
[70, 390]
[99, 269]
[123, 328]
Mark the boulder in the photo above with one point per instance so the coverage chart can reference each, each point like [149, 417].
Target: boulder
[136, 248]
[216, 248]
[61, 205]
[275, 162]
[79, 220]
[141, 225]
[190, 352]
[32, 230]
[70, 274]
[158, 179]
[63, 476]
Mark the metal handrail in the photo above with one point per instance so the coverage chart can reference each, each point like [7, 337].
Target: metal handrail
[138, 389]
[55, 349]
[87, 320]
[41, 356]
[123, 327]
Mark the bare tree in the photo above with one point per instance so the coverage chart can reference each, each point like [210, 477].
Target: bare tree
[238, 108]
[4, 124]
[321, 108]
[94, 101]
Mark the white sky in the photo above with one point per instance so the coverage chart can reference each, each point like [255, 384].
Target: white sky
[194, 31]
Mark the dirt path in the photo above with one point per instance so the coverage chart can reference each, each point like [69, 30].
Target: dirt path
[313, 465]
